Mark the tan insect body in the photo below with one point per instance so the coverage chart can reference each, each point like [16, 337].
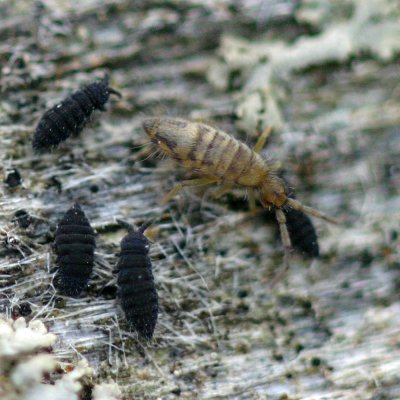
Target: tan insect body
[212, 152]
[222, 159]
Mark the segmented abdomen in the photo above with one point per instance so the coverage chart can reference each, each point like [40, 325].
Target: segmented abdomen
[207, 150]
[215, 153]
[70, 116]
[75, 245]
[137, 292]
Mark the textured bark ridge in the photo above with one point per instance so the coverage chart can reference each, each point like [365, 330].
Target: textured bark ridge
[326, 76]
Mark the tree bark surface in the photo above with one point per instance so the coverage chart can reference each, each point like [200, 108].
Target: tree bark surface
[330, 328]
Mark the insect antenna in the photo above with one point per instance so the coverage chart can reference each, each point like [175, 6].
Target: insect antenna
[129, 227]
[113, 91]
[295, 204]
[106, 80]
[146, 224]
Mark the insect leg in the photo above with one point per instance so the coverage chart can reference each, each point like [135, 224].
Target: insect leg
[280, 217]
[276, 166]
[192, 182]
[252, 201]
[262, 139]
[221, 191]
[310, 211]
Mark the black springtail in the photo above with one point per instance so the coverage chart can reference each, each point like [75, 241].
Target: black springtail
[302, 233]
[75, 245]
[70, 116]
[136, 288]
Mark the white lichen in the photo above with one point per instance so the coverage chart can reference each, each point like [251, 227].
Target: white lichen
[66, 388]
[373, 28]
[29, 374]
[107, 391]
[16, 337]
[31, 371]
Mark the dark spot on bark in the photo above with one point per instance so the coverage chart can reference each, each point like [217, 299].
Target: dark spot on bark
[13, 178]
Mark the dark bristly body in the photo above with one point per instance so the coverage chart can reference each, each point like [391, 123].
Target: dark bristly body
[302, 233]
[75, 245]
[70, 116]
[136, 287]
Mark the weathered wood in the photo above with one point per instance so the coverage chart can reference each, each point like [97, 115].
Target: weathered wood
[330, 329]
